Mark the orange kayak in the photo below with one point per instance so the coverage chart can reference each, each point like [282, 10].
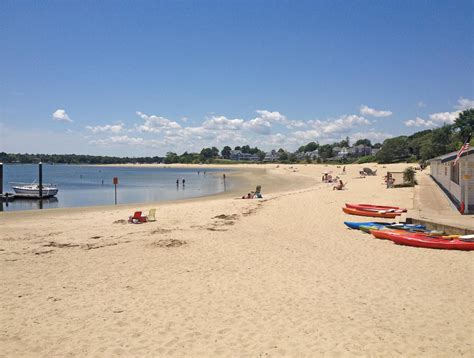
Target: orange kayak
[372, 207]
[375, 214]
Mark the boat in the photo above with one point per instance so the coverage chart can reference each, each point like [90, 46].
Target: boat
[453, 242]
[372, 207]
[375, 214]
[32, 190]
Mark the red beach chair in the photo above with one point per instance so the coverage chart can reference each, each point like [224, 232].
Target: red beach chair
[137, 218]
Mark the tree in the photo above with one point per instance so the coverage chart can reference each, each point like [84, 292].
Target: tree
[214, 152]
[237, 148]
[365, 142]
[261, 155]
[465, 124]
[393, 150]
[171, 158]
[283, 156]
[377, 146]
[207, 153]
[225, 152]
[245, 149]
[325, 151]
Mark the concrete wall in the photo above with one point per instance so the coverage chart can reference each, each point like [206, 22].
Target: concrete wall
[441, 172]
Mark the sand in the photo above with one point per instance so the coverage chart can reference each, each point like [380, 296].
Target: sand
[281, 276]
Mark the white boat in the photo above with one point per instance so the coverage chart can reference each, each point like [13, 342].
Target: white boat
[32, 190]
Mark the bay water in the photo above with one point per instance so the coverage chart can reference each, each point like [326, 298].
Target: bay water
[83, 185]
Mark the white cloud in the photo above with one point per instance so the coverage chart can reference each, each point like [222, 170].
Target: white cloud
[341, 124]
[367, 111]
[258, 125]
[154, 124]
[421, 104]
[61, 116]
[373, 136]
[111, 128]
[127, 141]
[440, 118]
[271, 116]
[222, 123]
[444, 117]
[419, 122]
[464, 103]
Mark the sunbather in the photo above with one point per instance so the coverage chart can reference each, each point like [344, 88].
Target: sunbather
[339, 186]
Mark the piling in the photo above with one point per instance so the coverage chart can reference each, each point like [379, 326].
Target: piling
[40, 179]
[1, 179]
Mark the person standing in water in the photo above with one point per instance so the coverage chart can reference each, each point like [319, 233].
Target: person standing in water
[183, 181]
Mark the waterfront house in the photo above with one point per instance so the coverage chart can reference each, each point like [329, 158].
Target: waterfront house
[457, 181]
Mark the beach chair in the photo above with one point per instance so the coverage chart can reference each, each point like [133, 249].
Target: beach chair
[137, 218]
[151, 215]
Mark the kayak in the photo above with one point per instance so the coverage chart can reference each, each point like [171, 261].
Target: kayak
[372, 207]
[370, 213]
[382, 225]
[403, 229]
[452, 242]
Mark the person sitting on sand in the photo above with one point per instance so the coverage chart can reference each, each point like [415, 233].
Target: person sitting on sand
[339, 185]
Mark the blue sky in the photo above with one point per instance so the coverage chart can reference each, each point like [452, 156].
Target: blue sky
[147, 77]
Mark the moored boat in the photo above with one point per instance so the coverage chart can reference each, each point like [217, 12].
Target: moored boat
[33, 190]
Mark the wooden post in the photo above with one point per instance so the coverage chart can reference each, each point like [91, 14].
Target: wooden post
[40, 179]
[1, 178]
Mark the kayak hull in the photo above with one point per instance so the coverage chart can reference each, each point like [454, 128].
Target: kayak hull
[374, 207]
[370, 213]
[424, 241]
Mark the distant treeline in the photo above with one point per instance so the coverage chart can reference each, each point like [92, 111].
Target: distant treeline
[417, 147]
[73, 159]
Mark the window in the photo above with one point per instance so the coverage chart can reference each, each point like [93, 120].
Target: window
[455, 173]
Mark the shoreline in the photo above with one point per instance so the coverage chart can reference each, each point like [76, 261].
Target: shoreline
[246, 179]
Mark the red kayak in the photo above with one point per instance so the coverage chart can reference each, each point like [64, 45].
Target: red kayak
[374, 214]
[423, 240]
[376, 207]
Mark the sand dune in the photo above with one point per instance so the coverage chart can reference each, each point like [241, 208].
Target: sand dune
[281, 276]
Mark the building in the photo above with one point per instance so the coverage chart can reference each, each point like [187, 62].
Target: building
[360, 150]
[271, 156]
[457, 181]
[238, 155]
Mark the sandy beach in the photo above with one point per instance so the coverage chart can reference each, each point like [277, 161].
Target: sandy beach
[220, 276]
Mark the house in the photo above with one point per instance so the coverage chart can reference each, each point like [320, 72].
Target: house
[344, 152]
[313, 155]
[457, 181]
[361, 150]
[271, 156]
[238, 155]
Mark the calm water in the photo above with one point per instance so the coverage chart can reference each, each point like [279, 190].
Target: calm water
[90, 185]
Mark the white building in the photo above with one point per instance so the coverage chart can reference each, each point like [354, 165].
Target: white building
[271, 156]
[457, 181]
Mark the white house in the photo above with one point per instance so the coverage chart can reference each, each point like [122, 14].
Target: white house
[457, 181]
